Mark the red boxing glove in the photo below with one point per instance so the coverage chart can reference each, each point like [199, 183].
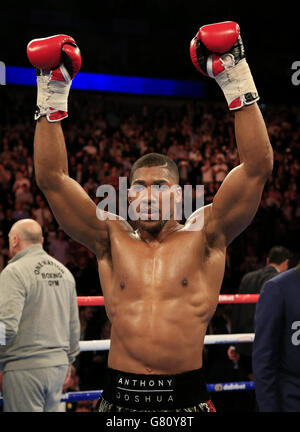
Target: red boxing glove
[217, 51]
[57, 60]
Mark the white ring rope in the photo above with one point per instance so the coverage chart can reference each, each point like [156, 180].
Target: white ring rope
[104, 345]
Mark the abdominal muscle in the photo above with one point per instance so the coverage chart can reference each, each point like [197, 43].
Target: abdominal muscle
[158, 337]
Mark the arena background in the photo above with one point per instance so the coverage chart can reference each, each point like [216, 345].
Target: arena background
[151, 38]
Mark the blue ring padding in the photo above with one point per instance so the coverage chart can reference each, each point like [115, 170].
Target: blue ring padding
[211, 388]
[115, 83]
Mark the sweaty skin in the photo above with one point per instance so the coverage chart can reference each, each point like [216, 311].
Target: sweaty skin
[161, 282]
[158, 321]
[159, 293]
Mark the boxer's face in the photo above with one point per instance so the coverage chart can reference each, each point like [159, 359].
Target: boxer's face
[155, 190]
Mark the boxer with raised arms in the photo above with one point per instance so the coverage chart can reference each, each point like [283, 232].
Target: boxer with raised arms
[160, 282]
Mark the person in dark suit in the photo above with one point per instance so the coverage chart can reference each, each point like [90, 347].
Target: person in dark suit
[243, 314]
[276, 348]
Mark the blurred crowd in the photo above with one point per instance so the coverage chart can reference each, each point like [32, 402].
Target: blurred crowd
[105, 134]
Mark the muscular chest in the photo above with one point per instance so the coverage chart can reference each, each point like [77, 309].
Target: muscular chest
[158, 269]
[155, 269]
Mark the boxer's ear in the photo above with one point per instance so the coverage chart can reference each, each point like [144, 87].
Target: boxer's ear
[129, 198]
[178, 194]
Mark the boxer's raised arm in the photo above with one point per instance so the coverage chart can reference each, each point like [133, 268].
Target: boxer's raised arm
[57, 59]
[218, 51]
[237, 200]
[72, 207]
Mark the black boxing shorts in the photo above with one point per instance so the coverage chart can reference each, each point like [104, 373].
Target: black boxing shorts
[129, 392]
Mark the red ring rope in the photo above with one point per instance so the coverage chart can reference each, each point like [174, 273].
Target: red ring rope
[223, 299]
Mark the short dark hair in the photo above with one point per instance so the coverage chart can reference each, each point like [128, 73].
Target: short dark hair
[155, 159]
[278, 254]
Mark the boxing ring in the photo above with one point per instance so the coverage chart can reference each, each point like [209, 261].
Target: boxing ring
[104, 345]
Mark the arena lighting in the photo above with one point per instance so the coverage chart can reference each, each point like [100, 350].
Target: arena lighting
[115, 83]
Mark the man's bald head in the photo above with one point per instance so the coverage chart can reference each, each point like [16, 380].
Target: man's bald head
[24, 233]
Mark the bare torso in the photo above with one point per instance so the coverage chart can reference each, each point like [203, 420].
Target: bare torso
[159, 298]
